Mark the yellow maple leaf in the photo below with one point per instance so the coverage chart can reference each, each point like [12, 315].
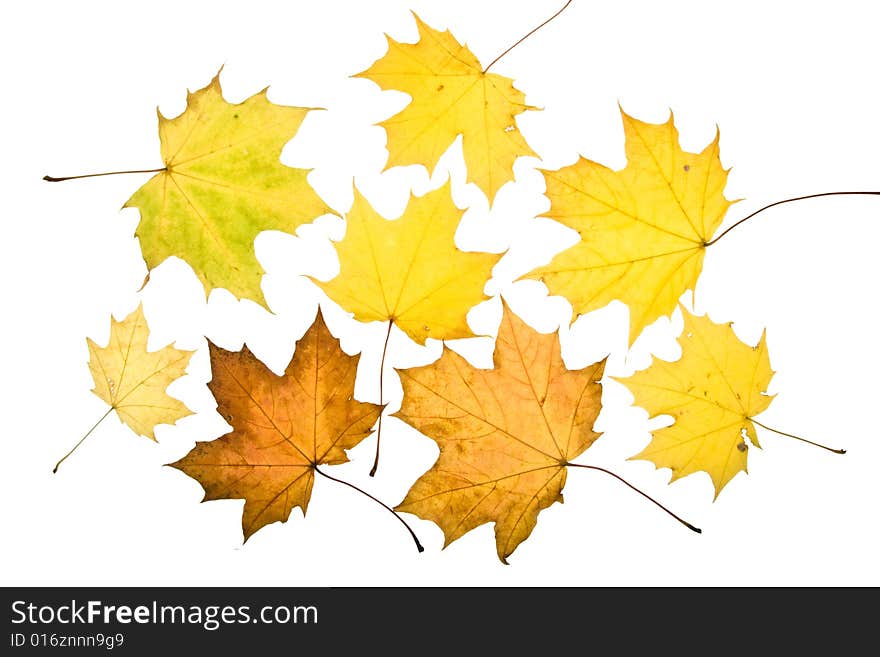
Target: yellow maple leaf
[132, 380]
[223, 183]
[451, 95]
[505, 435]
[283, 427]
[408, 270]
[712, 392]
[643, 229]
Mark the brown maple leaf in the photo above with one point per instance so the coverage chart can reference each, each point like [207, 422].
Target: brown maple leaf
[283, 427]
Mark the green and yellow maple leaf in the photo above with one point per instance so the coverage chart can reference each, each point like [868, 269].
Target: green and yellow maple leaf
[223, 184]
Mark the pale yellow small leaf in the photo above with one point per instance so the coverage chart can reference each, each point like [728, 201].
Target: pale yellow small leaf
[133, 380]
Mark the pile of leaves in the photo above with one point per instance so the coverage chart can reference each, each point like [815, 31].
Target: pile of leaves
[508, 435]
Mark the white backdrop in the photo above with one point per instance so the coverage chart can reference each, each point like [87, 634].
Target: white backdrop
[793, 88]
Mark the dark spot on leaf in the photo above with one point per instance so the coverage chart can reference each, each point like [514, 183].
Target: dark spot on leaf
[440, 87]
[742, 447]
[687, 167]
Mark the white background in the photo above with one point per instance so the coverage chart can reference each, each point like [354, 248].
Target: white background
[793, 88]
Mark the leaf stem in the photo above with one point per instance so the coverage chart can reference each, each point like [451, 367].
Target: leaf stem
[106, 173]
[381, 399]
[73, 449]
[494, 61]
[804, 440]
[643, 494]
[788, 200]
[377, 501]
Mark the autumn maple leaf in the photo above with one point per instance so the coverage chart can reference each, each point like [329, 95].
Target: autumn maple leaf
[713, 392]
[505, 435]
[643, 229]
[132, 380]
[408, 270]
[223, 183]
[283, 427]
[452, 94]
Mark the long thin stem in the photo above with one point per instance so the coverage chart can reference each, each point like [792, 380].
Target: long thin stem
[73, 449]
[377, 501]
[803, 440]
[643, 494]
[96, 175]
[789, 200]
[381, 399]
[494, 61]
